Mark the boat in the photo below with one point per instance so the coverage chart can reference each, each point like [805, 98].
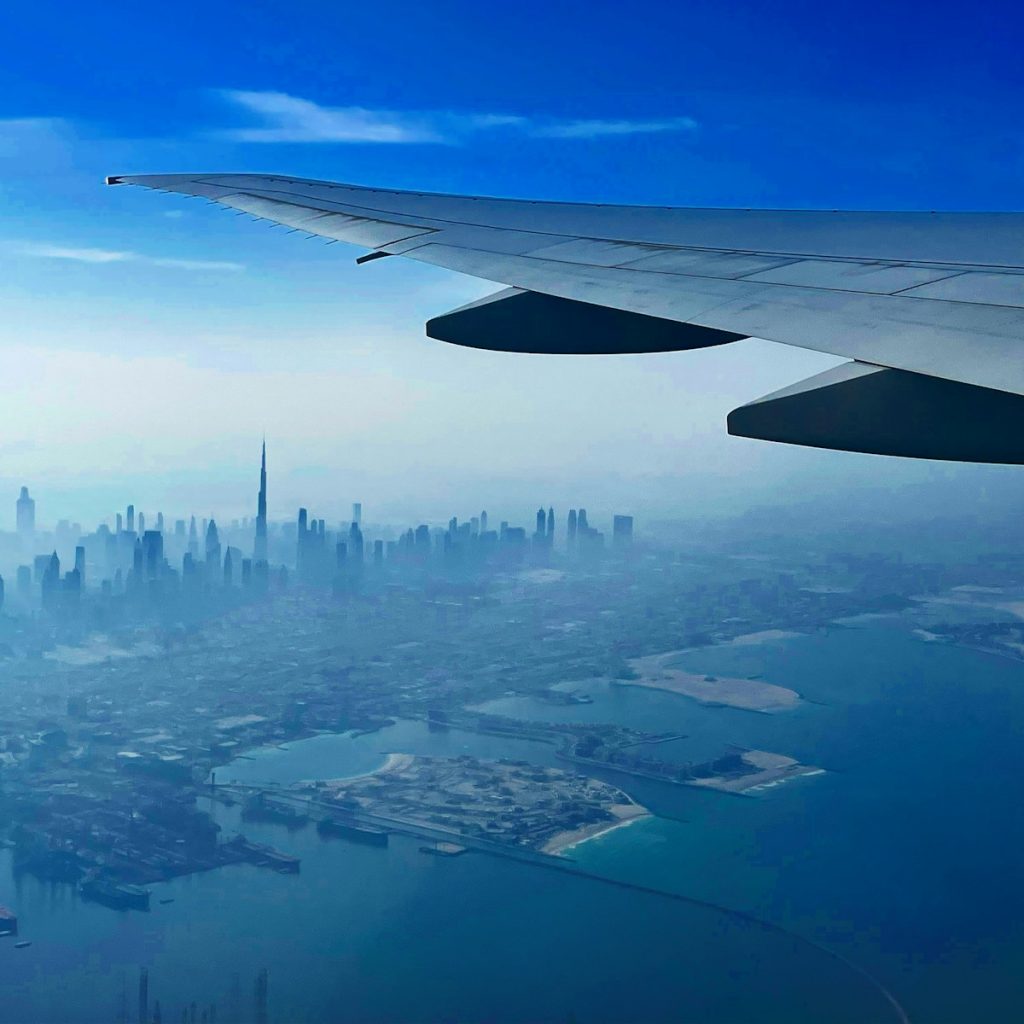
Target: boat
[267, 856]
[351, 830]
[8, 922]
[164, 902]
[259, 808]
[119, 895]
[23, 944]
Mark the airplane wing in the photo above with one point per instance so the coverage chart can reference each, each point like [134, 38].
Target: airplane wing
[928, 306]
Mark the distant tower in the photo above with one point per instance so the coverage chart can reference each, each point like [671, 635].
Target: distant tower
[570, 533]
[129, 518]
[357, 513]
[541, 523]
[118, 523]
[153, 553]
[212, 550]
[26, 507]
[483, 522]
[622, 529]
[259, 551]
[142, 522]
[159, 522]
[80, 563]
[355, 543]
[51, 581]
[551, 525]
[193, 540]
[229, 577]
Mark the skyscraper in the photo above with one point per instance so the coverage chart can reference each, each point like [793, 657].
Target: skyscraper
[570, 532]
[26, 516]
[212, 551]
[357, 513]
[129, 519]
[622, 529]
[153, 553]
[51, 582]
[259, 551]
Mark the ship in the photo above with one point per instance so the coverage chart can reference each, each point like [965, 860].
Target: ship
[353, 831]
[119, 895]
[259, 808]
[8, 922]
[267, 856]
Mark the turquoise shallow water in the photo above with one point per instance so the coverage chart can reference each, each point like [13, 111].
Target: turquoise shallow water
[904, 857]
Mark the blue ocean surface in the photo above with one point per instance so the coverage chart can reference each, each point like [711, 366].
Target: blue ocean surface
[901, 861]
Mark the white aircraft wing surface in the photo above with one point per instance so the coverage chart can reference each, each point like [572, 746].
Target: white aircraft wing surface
[929, 306]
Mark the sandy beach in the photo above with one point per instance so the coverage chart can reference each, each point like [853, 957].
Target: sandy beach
[748, 694]
[625, 814]
[393, 763]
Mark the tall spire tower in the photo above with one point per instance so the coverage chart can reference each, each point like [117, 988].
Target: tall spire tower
[259, 553]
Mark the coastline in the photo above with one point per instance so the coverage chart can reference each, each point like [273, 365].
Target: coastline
[625, 815]
[392, 763]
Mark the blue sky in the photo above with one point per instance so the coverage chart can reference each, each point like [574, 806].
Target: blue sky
[146, 342]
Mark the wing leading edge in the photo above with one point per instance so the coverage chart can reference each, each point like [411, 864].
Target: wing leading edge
[930, 307]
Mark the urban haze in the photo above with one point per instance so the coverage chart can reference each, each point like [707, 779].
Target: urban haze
[447, 637]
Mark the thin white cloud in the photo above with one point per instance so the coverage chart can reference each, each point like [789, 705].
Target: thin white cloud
[293, 119]
[595, 129]
[100, 256]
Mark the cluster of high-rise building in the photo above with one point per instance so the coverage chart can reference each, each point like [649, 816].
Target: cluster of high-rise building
[197, 558]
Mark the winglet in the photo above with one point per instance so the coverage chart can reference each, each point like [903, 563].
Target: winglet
[114, 179]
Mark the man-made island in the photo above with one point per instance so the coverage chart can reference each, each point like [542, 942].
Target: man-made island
[513, 803]
[657, 672]
[749, 771]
